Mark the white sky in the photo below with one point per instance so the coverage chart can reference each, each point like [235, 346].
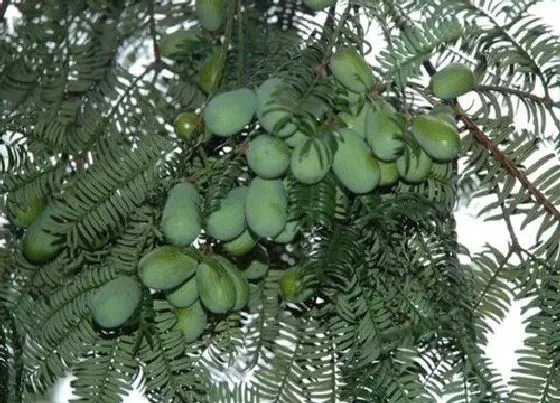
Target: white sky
[473, 233]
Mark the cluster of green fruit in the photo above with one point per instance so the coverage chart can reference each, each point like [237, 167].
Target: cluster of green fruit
[192, 283]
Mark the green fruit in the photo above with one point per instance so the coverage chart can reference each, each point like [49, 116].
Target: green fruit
[358, 122]
[266, 207]
[181, 220]
[228, 222]
[23, 215]
[436, 136]
[268, 157]
[269, 111]
[452, 81]
[240, 245]
[292, 287]
[191, 321]
[311, 161]
[353, 163]
[185, 123]
[39, 244]
[167, 267]
[351, 70]
[184, 295]
[229, 112]
[179, 42]
[319, 4]
[296, 139]
[240, 283]
[389, 173]
[289, 232]
[414, 167]
[116, 301]
[211, 13]
[255, 265]
[384, 134]
[209, 72]
[216, 291]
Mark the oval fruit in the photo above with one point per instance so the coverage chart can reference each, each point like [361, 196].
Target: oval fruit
[39, 244]
[358, 122]
[209, 72]
[181, 220]
[414, 168]
[319, 4]
[296, 139]
[436, 136]
[166, 267]
[351, 70]
[216, 291]
[353, 164]
[23, 216]
[269, 111]
[178, 42]
[185, 124]
[268, 157]
[256, 264]
[311, 161]
[116, 301]
[211, 13]
[289, 232]
[229, 112]
[266, 207]
[184, 295]
[228, 222]
[384, 134]
[240, 245]
[292, 287]
[191, 321]
[389, 173]
[240, 283]
[452, 81]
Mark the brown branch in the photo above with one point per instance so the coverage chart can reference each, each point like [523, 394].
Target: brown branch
[509, 166]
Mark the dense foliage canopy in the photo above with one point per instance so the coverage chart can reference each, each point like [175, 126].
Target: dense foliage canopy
[251, 200]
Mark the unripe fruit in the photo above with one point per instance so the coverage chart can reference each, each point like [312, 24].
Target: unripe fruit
[181, 221]
[23, 215]
[452, 81]
[319, 4]
[350, 68]
[414, 167]
[39, 244]
[166, 267]
[255, 265]
[311, 161]
[209, 72]
[436, 136]
[266, 207]
[292, 287]
[116, 301]
[229, 112]
[185, 123]
[268, 157]
[240, 245]
[184, 295]
[358, 122]
[384, 134]
[269, 111]
[389, 173]
[289, 232]
[211, 13]
[228, 222]
[191, 321]
[354, 165]
[216, 291]
[296, 139]
[240, 283]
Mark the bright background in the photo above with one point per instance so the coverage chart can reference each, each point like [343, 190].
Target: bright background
[473, 232]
